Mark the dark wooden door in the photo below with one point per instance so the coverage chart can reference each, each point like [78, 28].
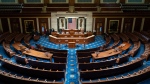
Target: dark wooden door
[5, 24]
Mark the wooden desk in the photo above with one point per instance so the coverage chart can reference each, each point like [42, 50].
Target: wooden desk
[38, 54]
[64, 40]
[71, 44]
[111, 52]
[74, 35]
[68, 30]
[32, 52]
[18, 46]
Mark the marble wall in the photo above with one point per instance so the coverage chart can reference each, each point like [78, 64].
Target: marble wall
[57, 15]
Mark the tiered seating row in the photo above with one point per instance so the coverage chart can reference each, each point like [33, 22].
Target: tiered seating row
[93, 74]
[133, 37]
[102, 63]
[123, 37]
[116, 41]
[84, 59]
[19, 37]
[128, 79]
[97, 65]
[143, 38]
[3, 36]
[145, 33]
[10, 37]
[8, 50]
[13, 78]
[35, 72]
[47, 66]
[20, 59]
[27, 39]
[135, 48]
[115, 37]
[40, 64]
[123, 58]
[58, 59]
[107, 39]
[147, 51]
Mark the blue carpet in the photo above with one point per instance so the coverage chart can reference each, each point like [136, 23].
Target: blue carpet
[72, 74]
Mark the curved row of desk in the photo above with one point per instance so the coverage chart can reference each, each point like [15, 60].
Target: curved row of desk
[34, 72]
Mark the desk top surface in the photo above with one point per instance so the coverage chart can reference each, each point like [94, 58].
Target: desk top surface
[32, 52]
[111, 52]
[18, 46]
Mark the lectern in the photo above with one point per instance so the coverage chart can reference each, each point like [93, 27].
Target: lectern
[71, 44]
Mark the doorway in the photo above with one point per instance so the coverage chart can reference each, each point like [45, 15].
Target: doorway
[99, 28]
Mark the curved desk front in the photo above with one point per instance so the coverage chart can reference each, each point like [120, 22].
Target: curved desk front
[64, 40]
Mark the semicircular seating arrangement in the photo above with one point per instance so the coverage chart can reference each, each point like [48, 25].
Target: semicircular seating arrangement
[111, 59]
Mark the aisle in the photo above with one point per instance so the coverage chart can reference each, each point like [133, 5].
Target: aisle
[72, 74]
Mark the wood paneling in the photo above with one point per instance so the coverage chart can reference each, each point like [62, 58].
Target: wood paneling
[43, 22]
[119, 25]
[46, 2]
[95, 14]
[110, 9]
[15, 25]
[57, 9]
[85, 9]
[84, 5]
[5, 24]
[71, 2]
[100, 20]
[114, 14]
[32, 19]
[97, 2]
[31, 10]
[146, 24]
[33, 5]
[122, 1]
[137, 26]
[21, 1]
[127, 26]
[57, 5]
[109, 5]
[147, 1]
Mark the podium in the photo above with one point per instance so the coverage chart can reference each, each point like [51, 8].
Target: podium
[71, 44]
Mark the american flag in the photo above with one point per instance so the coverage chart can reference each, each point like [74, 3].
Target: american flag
[71, 23]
